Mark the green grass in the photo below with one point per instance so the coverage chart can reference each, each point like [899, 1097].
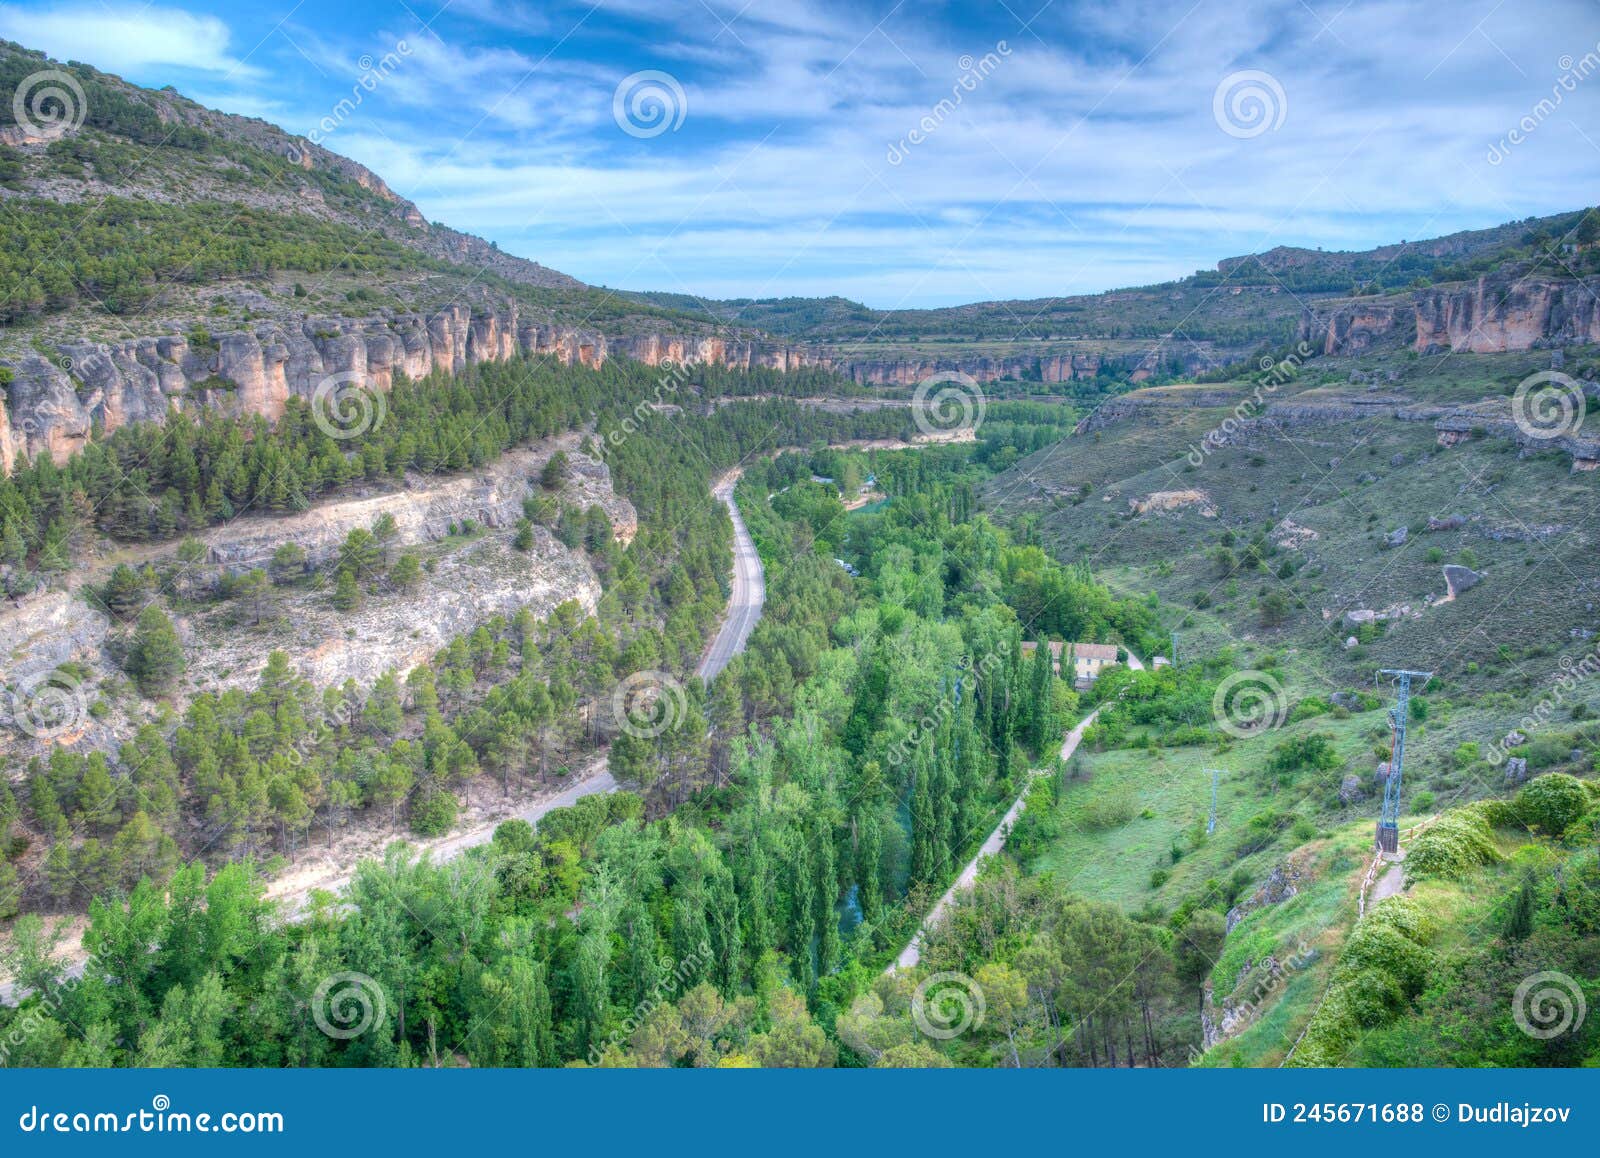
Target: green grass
[1174, 786]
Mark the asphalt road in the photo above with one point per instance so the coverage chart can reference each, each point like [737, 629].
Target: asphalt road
[749, 592]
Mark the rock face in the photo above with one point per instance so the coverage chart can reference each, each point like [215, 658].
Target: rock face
[1498, 312]
[1354, 329]
[55, 404]
[425, 511]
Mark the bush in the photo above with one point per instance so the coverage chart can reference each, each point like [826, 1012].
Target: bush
[1110, 809]
[434, 814]
[1551, 803]
[1384, 965]
[1454, 845]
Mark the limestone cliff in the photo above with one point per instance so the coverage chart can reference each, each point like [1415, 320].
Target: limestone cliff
[56, 403]
[1496, 313]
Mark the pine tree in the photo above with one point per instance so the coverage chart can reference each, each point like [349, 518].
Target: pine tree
[156, 658]
[346, 591]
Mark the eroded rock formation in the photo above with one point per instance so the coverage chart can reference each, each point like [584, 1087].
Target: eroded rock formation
[1496, 313]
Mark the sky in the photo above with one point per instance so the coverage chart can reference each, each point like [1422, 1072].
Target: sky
[901, 154]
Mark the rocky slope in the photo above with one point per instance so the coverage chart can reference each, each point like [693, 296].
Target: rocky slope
[466, 581]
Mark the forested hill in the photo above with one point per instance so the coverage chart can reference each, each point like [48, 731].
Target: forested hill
[146, 144]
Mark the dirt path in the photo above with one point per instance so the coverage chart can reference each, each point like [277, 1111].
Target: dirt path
[911, 955]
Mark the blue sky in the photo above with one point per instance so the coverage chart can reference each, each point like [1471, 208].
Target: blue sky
[1092, 145]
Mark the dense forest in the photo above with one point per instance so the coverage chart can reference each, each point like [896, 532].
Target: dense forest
[787, 819]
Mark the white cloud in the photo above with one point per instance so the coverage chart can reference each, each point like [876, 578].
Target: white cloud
[129, 40]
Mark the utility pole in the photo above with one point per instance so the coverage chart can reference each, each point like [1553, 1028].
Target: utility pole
[1211, 825]
[1389, 821]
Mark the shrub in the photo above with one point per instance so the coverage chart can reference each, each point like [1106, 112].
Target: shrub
[1384, 965]
[1110, 809]
[1551, 803]
[1454, 845]
[434, 814]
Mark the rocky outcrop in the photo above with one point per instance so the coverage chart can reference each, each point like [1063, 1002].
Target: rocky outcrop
[1354, 329]
[56, 404]
[1502, 312]
[1458, 579]
[1459, 424]
[1498, 312]
[466, 581]
[426, 510]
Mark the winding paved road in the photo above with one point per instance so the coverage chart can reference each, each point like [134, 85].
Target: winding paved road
[912, 953]
[749, 594]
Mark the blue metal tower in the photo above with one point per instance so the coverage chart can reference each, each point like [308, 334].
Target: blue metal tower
[1389, 822]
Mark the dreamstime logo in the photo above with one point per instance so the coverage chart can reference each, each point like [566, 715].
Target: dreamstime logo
[1248, 703]
[373, 73]
[1548, 405]
[346, 1005]
[947, 403]
[674, 374]
[343, 408]
[1572, 673]
[946, 1005]
[649, 103]
[49, 104]
[973, 73]
[648, 703]
[1249, 103]
[1572, 74]
[49, 705]
[1275, 372]
[1548, 1005]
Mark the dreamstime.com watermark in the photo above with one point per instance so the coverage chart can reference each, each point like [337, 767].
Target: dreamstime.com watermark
[1549, 405]
[1277, 371]
[675, 375]
[1266, 985]
[674, 981]
[348, 1004]
[1572, 673]
[373, 75]
[51, 997]
[973, 74]
[45, 705]
[1249, 103]
[948, 403]
[649, 103]
[343, 407]
[1573, 73]
[648, 703]
[934, 718]
[159, 1118]
[49, 104]
[1248, 703]
[1548, 1005]
[946, 1005]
